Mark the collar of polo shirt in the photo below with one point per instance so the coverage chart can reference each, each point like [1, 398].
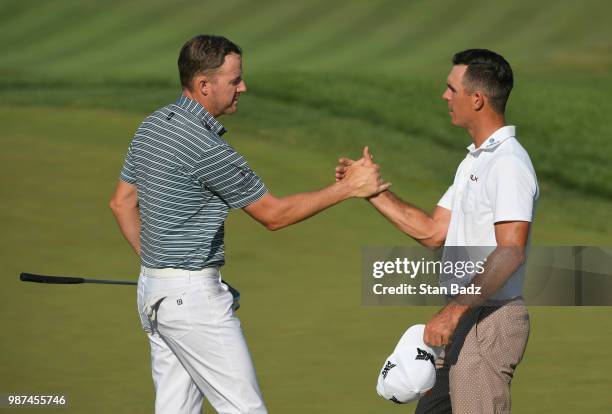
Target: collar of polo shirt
[209, 121]
[494, 140]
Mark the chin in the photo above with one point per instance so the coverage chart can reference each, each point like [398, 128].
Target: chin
[454, 120]
[231, 110]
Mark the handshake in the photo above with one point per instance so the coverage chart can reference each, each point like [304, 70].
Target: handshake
[360, 178]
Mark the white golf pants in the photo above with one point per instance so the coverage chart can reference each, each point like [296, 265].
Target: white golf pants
[197, 345]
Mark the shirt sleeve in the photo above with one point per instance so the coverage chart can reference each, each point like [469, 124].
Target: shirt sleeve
[225, 172]
[128, 173]
[512, 189]
[447, 199]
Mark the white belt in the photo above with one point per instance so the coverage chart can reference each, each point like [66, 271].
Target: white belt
[169, 272]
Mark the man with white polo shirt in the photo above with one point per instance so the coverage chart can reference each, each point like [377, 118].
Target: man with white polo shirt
[178, 183]
[486, 212]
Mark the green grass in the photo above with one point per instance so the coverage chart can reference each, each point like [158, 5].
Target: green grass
[325, 79]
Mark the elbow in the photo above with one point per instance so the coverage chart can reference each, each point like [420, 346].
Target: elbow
[521, 256]
[432, 243]
[437, 241]
[119, 206]
[275, 219]
[274, 225]
[434, 246]
[114, 206]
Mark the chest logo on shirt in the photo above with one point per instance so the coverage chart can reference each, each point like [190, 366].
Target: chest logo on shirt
[473, 177]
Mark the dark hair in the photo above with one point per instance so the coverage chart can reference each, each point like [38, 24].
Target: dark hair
[487, 72]
[203, 53]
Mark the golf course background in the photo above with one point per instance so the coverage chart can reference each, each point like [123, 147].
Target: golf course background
[325, 78]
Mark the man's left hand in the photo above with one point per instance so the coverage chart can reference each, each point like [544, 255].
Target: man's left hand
[441, 326]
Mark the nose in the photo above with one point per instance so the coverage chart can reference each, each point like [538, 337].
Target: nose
[446, 95]
[242, 87]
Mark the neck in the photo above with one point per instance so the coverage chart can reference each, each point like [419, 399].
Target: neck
[483, 128]
[199, 98]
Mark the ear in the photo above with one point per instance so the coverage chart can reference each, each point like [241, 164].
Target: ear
[201, 84]
[478, 101]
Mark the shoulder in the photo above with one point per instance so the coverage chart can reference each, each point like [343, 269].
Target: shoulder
[511, 155]
[161, 115]
[511, 171]
[179, 127]
[512, 147]
[464, 162]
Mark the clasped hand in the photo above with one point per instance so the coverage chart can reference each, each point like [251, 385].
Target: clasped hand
[362, 176]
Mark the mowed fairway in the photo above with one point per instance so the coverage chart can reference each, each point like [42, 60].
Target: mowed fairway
[325, 79]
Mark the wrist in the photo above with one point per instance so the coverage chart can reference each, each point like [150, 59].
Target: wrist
[343, 189]
[456, 311]
[378, 197]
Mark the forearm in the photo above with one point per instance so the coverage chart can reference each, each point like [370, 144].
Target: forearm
[360, 180]
[499, 267]
[297, 207]
[129, 223]
[407, 218]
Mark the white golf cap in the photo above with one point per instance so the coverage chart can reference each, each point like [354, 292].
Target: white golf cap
[409, 372]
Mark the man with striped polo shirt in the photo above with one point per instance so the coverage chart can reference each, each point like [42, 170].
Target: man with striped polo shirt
[486, 213]
[178, 183]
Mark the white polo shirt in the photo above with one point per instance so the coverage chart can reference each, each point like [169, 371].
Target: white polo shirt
[495, 182]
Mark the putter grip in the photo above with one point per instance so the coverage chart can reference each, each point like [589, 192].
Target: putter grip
[64, 280]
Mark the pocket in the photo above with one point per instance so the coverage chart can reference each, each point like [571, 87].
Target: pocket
[145, 321]
[173, 316]
[222, 306]
[215, 289]
[516, 332]
[502, 335]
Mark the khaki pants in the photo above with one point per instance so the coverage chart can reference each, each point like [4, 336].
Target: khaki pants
[474, 373]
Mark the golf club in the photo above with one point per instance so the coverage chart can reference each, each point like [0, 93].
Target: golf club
[68, 280]
[71, 280]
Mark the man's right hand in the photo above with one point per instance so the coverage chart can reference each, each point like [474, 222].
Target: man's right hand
[362, 177]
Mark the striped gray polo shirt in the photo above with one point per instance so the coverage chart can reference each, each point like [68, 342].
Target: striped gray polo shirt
[187, 178]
